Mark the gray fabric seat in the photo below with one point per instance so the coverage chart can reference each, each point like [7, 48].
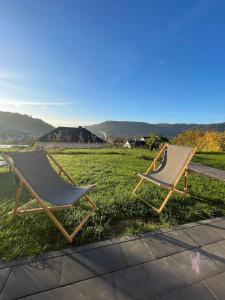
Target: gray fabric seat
[38, 172]
[173, 162]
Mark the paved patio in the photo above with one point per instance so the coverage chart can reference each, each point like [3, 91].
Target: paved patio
[207, 171]
[186, 262]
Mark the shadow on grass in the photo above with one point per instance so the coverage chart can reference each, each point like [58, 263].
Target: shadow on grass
[89, 153]
[214, 202]
[145, 157]
[8, 184]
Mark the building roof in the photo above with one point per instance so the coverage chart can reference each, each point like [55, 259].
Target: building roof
[70, 135]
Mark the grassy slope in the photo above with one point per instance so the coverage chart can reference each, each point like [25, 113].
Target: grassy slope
[119, 212]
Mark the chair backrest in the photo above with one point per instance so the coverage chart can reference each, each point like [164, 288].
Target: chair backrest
[35, 167]
[173, 163]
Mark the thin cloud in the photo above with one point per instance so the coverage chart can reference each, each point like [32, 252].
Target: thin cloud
[32, 103]
[11, 75]
[14, 86]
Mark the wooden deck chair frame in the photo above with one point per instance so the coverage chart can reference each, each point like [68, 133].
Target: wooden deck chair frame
[43, 207]
[173, 189]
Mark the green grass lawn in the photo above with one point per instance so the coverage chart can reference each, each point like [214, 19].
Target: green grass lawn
[119, 212]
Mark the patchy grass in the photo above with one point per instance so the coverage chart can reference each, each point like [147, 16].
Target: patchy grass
[119, 211]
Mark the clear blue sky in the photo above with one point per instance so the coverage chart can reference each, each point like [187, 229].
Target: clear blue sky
[81, 62]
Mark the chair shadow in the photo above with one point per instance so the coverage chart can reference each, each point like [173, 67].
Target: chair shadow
[213, 202]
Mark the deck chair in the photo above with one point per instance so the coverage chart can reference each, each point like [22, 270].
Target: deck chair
[34, 172]
[174, 165]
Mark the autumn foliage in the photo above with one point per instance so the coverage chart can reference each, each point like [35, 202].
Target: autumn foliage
[205, 141]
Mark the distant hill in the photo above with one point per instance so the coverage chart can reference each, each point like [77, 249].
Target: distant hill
[20, 128]
[14, 126]
[135, 129]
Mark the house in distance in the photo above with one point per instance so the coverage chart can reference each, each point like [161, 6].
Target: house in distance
[136, 143]
[152, 142]
[69, 137]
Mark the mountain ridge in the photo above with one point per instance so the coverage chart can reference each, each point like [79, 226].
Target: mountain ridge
[18, 127]
[15, 124]
[135, 129]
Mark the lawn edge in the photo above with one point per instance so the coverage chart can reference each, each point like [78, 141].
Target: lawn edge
[100, 244]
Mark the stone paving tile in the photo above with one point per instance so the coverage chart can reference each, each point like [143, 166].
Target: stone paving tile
[203, 234]
[4, 273]
[54, 254]
[69, 250]
[179, 270]
[216, 252]
[162, 275]
[31, 278]
[219, 227]
[182, 226]
[196, 291]
[123, 239]
[217, 285]
[222, 243]
[98, 288]
[169, 243]
[90, 246]
[81, 266]
[4, 264]
[84, 269]
[136, 252]
[194, 265]
[205, 170]
[211, 220]
[131, 283]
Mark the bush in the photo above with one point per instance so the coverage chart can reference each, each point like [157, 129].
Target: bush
[204, 141]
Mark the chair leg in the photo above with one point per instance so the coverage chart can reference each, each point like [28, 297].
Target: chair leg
[186, 182]
[164, 202]
[60, 227]
[17, 200]
[90, 201]
[44, 208]
[55, 221]
[84, 221]
[138, 185]
[159, 210]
